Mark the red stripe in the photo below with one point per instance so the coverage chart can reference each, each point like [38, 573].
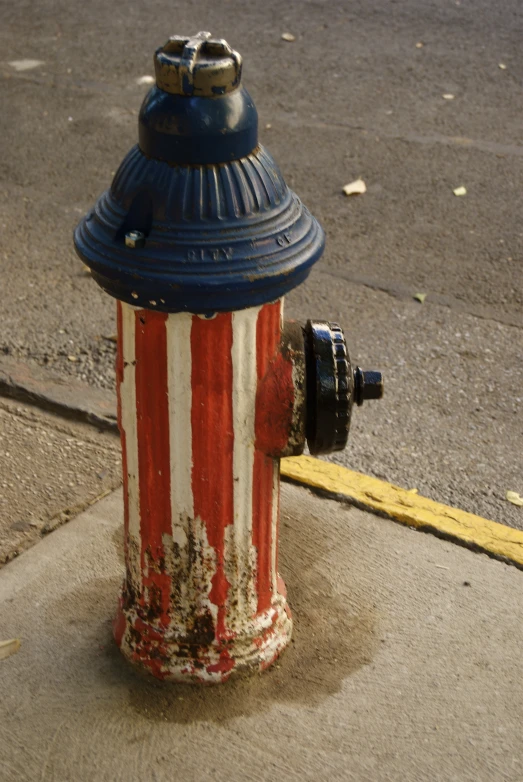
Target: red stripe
[268, 335]
[212, 442]
[152, 411]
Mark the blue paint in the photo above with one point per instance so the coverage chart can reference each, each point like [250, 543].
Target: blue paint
[222, 230]
[197, 130]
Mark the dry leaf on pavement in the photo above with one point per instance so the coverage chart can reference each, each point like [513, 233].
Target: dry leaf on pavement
[514, 498]
[355, 188]
[420, 297]
[25, 65]
[7, 648]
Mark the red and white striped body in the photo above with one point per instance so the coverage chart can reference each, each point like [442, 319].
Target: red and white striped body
[201, 438]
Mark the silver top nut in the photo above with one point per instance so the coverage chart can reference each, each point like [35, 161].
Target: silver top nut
[134, 239]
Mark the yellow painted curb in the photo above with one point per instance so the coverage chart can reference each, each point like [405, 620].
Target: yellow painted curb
[407, 507]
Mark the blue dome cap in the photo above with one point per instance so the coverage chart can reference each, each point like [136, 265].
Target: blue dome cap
[198, 217]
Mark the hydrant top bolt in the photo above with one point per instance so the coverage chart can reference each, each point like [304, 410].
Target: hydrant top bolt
[134, 239]
[367, 385]
[198, 65]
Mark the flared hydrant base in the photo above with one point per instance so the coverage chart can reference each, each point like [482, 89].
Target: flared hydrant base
[159, 652]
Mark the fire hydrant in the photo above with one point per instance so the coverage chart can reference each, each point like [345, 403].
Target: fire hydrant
[199, 238]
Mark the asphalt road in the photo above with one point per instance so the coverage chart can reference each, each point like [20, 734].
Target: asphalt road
[358, 93]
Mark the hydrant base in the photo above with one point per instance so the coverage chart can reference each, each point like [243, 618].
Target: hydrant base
[159, 652]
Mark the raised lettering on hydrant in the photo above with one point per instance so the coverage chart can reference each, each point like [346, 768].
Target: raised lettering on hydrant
[199, 238]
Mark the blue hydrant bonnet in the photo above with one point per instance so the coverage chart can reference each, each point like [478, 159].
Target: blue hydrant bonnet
[198, 217]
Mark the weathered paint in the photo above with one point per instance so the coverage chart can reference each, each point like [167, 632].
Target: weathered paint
[152, 415]
[127, 423]
[179, 68]
[268, 335]
[244, 411]
[211, 418]
[202, 596]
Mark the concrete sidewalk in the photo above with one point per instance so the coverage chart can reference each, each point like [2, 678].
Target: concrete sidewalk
[405, 664]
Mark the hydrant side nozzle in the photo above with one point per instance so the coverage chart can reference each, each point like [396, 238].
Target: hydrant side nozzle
[330, 387]
[333, 387]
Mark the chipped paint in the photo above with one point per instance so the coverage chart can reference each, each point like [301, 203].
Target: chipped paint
[198, 65]
[202, 596]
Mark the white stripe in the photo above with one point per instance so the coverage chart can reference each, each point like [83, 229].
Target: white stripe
[241, 574]
[179, 369]
[187, 577]
[274, 526]
[128, 420]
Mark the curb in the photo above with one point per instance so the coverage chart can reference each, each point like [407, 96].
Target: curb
[407, 507]
[27, 382]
